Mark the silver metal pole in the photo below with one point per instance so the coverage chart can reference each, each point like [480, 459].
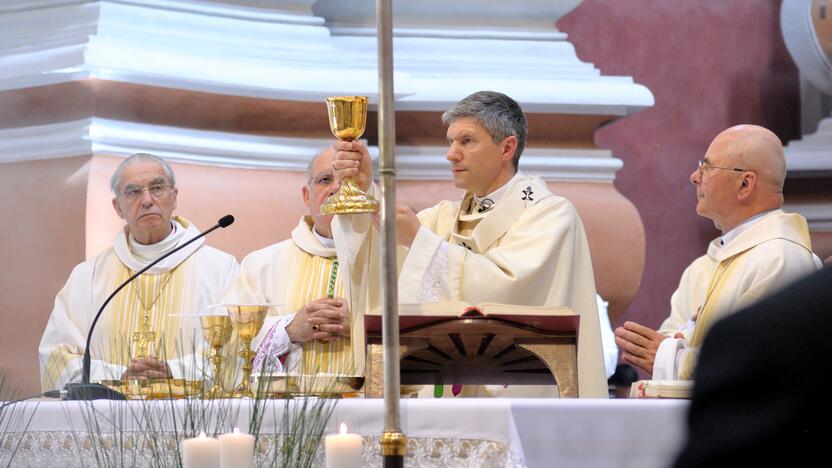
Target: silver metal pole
[393, 441]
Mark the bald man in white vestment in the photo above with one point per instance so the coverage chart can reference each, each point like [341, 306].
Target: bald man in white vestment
[309, 331]
[139, 335]
[508, 240]
[739, 186]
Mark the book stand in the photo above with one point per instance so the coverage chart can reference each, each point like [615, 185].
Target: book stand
[478, 351]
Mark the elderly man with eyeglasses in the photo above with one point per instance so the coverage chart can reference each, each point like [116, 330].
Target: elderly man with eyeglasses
[310, 333]
[141, 335]
[739, 186]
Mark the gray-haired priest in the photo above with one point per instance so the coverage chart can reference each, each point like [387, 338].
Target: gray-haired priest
[509, 240]
[313, 331]
[139, 335]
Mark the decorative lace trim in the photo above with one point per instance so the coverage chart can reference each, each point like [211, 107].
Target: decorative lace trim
[62, 449]
[434, 286]
[274, 346]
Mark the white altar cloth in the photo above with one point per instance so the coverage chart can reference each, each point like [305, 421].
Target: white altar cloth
[445, 432]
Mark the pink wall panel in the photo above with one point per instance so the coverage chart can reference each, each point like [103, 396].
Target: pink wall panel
[710, 64]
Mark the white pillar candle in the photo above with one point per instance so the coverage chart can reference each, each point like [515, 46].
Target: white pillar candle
[201, 452]
[344, 450]
[236, 450]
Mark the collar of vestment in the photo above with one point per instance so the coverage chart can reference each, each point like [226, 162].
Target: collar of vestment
[733, 233]
[307, 241]
[775, 224]
[146, 253]
[486, 202]
[522, 191]
[184, 232]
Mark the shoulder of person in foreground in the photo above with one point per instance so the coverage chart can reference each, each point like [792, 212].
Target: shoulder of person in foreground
[754, 397]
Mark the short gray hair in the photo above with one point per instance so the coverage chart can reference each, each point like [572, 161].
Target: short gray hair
[499, 114]
[308, 173]
[115, 180]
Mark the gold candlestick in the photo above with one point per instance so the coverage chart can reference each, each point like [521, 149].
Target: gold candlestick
[347, 120]
[247, 320]
[217, 332]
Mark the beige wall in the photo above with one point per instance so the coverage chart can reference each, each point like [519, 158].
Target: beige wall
[266, 204]
[42, 238]
[616, 240]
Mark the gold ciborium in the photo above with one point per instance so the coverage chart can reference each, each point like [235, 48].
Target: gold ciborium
[347, 119]
[247, 320]
[217, 331]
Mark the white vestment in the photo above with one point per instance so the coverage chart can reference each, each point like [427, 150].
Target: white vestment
[764, 257]
[293, 273]
[530, 248]
[184, 283]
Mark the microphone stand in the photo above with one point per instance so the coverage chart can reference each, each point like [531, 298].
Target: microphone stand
[85, 390]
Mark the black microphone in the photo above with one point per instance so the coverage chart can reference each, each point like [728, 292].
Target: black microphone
[89, 391]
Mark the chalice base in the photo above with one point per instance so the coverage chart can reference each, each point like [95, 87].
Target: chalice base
[216, 392]
[242, 392]
[350, 203]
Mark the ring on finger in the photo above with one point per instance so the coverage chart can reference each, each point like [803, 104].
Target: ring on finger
[316, 327]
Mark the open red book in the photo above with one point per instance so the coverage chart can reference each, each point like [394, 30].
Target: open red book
[560, 319]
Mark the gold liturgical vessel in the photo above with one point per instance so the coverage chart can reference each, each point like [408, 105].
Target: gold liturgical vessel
[217, 332]
[347, 120]
[247, 320]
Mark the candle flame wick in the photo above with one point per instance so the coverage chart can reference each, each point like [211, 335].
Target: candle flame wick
[236, 430]
[201, 434]
[343, 428]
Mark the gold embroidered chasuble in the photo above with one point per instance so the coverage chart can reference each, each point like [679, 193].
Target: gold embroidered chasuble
[185, 283]
[529, 249]
[310, 284]
[772, 253]
[294, 273]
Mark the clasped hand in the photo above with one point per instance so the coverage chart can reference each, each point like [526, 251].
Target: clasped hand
[146, 368]
[324, 320]
[639, 345]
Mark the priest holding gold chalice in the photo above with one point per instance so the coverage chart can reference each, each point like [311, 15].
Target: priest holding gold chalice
[508, 240]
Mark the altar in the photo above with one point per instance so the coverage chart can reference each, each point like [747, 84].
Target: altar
[442, 432]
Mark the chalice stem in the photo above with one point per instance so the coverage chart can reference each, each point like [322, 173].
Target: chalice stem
[216, 390]
[351, 188]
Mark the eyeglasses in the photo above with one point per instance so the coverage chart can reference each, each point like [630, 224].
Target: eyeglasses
[323, 179]
[703, 165]
[132, 193]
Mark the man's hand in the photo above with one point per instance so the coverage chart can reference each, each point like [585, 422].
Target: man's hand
[323, 319]
[332, 319]
[352, 160]
[146, 368]
[407, 225]
[638, 345]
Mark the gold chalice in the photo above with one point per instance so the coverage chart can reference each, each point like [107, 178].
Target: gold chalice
[217, 331]
[347, 120]
[247, 320]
